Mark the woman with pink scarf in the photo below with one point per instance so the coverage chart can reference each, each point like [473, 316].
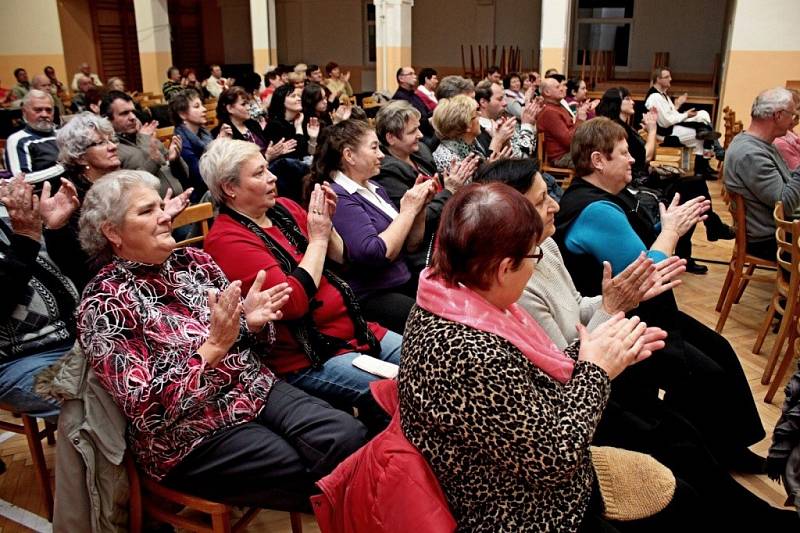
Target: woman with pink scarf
[503, 417]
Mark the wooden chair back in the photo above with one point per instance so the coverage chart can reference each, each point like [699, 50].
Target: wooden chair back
[567, 174]
[211, 119]
[193, 214]
[165, 135]
[368, 102]
[660, 59]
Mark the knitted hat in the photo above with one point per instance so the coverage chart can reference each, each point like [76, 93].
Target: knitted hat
[633, 485]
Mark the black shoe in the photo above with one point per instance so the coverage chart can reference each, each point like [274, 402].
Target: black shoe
[694, 267]
[707, 135]
[721, 231]
[747, 462]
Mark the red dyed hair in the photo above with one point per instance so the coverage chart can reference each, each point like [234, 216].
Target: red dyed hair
[482, 224]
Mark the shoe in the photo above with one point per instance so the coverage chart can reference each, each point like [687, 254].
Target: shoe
[721, 231]
[747, 462]
[707, 135]
[693, 267]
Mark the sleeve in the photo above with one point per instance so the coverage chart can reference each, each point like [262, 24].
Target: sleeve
[17, 159]
[16, 271]
[433, 212]
[394, 187]
[768, 185]
[789, 152]
[667, 114]
[360, 236]
[603, 231]
[539, 309]
[555, 128]
[192, 161]
[546, 442]
[64, 249]
[114, 341]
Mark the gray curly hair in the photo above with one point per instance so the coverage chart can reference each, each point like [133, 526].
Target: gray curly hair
[222, 162]
[74, 139]
[772, 101]
[106, 203]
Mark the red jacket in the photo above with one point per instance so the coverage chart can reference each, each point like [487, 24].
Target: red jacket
[557, 125]
[385, 486]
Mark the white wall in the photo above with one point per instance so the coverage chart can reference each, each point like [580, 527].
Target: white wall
[318, 31]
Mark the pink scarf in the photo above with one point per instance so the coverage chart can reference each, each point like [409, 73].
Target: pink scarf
[461, 304]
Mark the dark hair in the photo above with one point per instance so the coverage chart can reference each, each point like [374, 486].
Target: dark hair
[610, 105]
[110, 98]
[558, 77]
[312, 68]
[600, 134]
[283, 68]
[170, 69]
[510, 76]
[273, 74]
[17, 71]
[229, 97]
[48, 67]
[516, 173]
[187, 71]
[492, 69]
[398, 74]
[251, 82]
[426, 74]
[277, 106]
[572, 86]
[483, 91]
[180, 104]
[312, 94]
[473, 221]
[93, 96]
[329, 67]
[331, 145]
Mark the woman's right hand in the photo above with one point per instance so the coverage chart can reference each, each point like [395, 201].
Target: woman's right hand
[225, 132]
[460, 172]
[681, 218]
[319, 220]
[619, 343]
[226, 309]
[418, 196]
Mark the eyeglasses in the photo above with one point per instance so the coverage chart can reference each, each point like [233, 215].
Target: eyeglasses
[537, 255]
[105, 142]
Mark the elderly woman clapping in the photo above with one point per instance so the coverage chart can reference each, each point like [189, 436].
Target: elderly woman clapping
[322, 329]
[182, 354]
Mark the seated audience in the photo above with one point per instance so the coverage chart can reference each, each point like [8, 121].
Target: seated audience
[297, 80]
[173, 84]
[456, 123]
[691, 127]
[56, 86]
[426, 91]
[273, 79]
[139, 147]
[755, 169]
[301, 68]
[502, 416]
[262, 238]
[244, 437]
[494, 75]
[789, 144]
[451, 86]
[34, 148]
[514, 95]
[189, 81]
[22, 86]
[215, 83]
[285, 124]
[85, 71]
[406, 90]
[576, 96]
[79, 104]
[698, 370]
[189, 116]
[405, 160]
[315, 105]
[491, 108]
[376, 234]
[336, 82]
[532, 80]
[314, 74]
[557, 123]
[43, 83]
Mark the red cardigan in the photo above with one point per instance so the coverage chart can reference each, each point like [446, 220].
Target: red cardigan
[241, 254]
[556, 124]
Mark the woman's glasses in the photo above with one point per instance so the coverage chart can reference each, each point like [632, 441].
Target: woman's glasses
[104, 142]
[537, 255]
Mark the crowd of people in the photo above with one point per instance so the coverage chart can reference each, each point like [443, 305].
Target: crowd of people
[423, 244]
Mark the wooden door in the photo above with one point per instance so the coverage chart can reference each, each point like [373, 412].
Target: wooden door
[116, 44]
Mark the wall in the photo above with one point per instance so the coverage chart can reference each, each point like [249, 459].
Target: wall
[213, 43]
[77, 36]
[764, 52]
[238, 42]
[30, 42]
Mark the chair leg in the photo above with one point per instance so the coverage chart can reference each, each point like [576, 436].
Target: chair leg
[50, 431]
[729, 297]
[297, 522]
[788, 324]
[762, 333]
[726, 286]
[39, 464]
[743, 284]
[777, 381]
[221, 522]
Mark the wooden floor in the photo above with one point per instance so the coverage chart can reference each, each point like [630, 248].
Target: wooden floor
[697, 296]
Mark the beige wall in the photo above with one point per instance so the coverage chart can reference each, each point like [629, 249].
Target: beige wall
[31, 42]
[78, 37]
[236, 31]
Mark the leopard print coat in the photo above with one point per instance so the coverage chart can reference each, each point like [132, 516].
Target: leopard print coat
[508, 443]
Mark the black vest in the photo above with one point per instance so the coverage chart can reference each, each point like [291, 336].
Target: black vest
[663, 132]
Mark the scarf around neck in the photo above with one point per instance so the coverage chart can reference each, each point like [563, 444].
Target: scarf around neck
[463, 305]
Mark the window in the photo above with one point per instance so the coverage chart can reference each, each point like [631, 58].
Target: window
[603, 25]
[369, 53]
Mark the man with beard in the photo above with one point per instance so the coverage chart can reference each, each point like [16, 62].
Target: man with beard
[33, 148]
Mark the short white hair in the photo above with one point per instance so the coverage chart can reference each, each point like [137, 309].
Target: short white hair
[222, 162]
[772, 101]
[36, 93]
[76, 136]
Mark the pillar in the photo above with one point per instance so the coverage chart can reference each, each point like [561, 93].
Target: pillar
[264, 33]
[554, 47]
[155, 50]
[392, 41]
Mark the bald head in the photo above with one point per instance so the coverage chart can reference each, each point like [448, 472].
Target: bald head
[85, 68]
[41, 82]
[551, 89]
[84, 84]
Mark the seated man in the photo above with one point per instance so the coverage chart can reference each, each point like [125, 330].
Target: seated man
[34, 148]
[215, 83]
[491, 107]
[450, 86]
[755, 169]
[139, 148]
[557, 123]
[406, 90]
[22, 87]
[428, 81]
[79, 103]
[43, 83]
[692, 128]
[173, 84]
[85, 70]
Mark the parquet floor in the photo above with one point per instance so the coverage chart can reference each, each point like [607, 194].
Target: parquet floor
[697, 296]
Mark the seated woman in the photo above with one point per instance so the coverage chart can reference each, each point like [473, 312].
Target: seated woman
[336, 82]
[376, 234]
[617, 105]
[406, 159]
[577, 95]
[189, 116]
[182, 354]
[698, 370]
[502, 416]
[551, 299]
[322, 329]
[315, 105]
[514, 94]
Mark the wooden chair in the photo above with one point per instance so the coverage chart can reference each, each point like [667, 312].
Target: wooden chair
[165, 135]
[34, 435]
[784, 300]
[567, 174]
[193, 214]
[148, 497]
[660, 59]
[211, 119]
[369, 102]
[742, 266]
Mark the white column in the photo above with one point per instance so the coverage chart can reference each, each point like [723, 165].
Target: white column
[264, 34]
[155, 50]
[555, 35]
[392, 41]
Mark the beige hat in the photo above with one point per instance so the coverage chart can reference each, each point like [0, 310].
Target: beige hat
[633, 485]
[301, 67]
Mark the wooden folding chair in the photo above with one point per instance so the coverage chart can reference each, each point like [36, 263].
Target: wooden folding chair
[784, 299]
[567, 174]
[742, 266]
[193, 214]
[165, 135]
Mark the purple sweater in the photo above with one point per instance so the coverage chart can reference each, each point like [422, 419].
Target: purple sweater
[359, 223]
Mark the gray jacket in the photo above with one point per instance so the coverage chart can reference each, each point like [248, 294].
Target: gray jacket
[137, 157]
[91, 481]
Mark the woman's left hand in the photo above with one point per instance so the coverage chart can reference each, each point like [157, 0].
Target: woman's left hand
[624, 291]
[174, 206]
[57, 210]
[331, 199]
[175, 147]
[264, 306]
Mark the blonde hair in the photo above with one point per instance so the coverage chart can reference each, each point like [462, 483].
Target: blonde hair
[452, 116]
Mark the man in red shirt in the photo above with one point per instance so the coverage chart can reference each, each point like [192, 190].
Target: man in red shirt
[557, 123]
